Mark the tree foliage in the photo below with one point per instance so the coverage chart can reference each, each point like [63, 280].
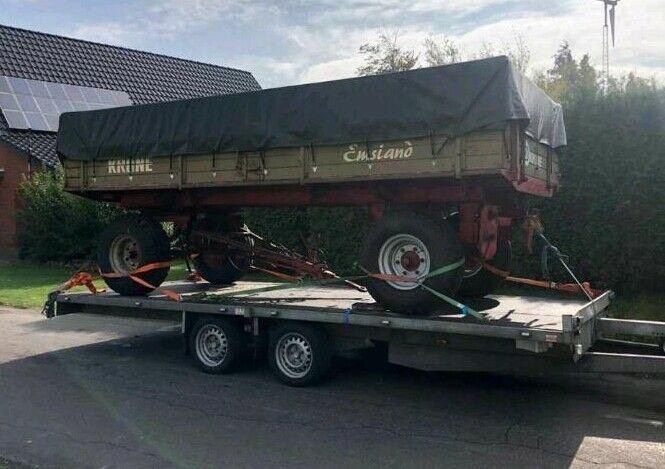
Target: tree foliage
[441, 51]
[55, 225]
[386, 55]
[517, 51]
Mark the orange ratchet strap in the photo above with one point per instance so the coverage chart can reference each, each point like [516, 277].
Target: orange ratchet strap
[141, 270]
[563, 287]
[83, 279]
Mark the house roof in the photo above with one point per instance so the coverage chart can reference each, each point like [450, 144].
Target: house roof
[145, 76]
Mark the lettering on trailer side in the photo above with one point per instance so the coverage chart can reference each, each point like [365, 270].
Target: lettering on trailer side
[127, 166]
[358, 153]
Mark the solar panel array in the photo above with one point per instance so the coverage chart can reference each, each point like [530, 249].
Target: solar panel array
[37, 105]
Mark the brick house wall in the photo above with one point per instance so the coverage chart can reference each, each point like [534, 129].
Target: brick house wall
[16, 167]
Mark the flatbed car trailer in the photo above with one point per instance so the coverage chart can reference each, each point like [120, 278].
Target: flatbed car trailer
[303, 327]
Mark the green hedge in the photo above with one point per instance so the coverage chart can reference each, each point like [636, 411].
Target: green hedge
[338, 231]
[55, 225]
[610, 212]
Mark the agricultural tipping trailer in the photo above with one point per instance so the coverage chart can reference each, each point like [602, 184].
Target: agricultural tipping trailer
[441, 156]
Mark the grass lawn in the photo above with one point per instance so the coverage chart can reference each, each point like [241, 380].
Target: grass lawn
[26, 285]
[647, 306]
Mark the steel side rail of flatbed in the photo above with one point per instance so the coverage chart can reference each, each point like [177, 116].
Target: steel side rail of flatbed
[451, 323]
[519, 330]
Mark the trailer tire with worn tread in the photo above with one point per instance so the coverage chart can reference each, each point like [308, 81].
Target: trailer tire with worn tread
[213, 268]
[427, 244]
[129, 242]
[216, 344]
[299, 354]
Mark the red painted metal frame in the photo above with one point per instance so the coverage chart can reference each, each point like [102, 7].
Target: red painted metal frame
[375, 194]
[472, 196]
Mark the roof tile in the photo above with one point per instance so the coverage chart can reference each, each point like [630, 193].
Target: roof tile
[145, 76]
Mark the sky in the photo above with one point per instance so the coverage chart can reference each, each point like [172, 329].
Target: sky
[290, 41]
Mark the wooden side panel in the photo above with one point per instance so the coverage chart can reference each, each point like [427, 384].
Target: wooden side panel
[474, 154]
[484, 151]
[537, 159]
[73, 174]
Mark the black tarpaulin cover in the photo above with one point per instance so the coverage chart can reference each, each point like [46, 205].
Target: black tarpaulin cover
[452, 100]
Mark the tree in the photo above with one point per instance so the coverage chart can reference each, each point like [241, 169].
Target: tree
[385, 56]
[441, 52]
[517, 51]
[563, 78]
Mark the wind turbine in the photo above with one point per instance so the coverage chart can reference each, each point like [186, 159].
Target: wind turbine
[610, 6]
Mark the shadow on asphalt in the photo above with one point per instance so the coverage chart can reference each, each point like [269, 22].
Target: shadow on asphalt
[147, 387]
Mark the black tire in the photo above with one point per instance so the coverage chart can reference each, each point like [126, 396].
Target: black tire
[145, 242]
[443, 246]
[216, 269]
[481, 282]
[306, 339]
[202, 342]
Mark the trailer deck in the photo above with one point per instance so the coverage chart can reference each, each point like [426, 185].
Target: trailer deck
[528, 320]
[526, 335]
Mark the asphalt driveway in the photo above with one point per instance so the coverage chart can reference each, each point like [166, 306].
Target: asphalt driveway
[86, 391]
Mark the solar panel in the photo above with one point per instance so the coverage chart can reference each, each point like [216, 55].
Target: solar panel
[16, 119]
[37, 105]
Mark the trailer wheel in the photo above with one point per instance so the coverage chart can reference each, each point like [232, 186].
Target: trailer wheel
[220, 268]
[130, 242]
[299, 354]
[411, 245]
[215, 344]
[478, 281]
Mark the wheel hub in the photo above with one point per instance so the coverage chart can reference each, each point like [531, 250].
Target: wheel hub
[294, 355]
[211, 345]
[410, 261]
[125, 254]
[407, 256]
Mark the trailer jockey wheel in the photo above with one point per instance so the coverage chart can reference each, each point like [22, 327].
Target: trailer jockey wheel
[411, 245]
[220, 267]
[478, 281]
[216, 344]
[128, 243]
[299, 354]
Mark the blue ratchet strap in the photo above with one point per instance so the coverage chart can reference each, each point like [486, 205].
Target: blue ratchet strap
[347, 313]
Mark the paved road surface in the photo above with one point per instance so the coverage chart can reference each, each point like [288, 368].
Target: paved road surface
[85, 391]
